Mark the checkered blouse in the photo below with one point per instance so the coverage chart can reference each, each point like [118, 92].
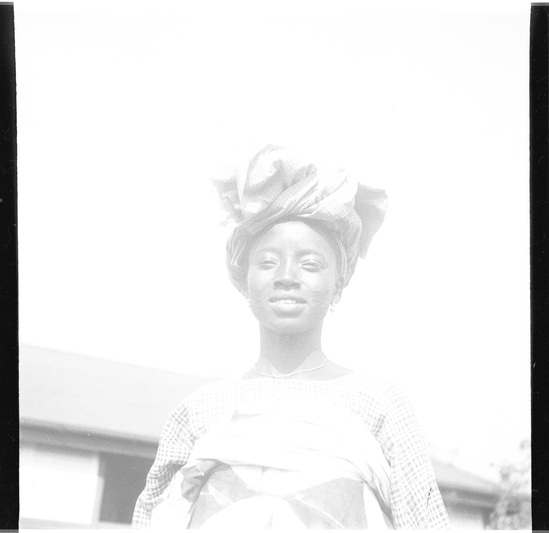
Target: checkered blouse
[415, 499]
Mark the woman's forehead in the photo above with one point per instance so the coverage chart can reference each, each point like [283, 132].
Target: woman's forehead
[294, 235]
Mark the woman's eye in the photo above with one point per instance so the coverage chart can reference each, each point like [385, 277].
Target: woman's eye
[312, 266]
[266, 263]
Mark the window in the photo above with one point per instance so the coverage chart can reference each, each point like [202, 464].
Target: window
[57, 484]
[123, 480]
[63, 487]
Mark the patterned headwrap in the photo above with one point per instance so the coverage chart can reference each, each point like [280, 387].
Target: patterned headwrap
[276, 185]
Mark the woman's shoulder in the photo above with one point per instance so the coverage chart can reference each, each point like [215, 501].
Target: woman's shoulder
[380, 388]
[211, 396]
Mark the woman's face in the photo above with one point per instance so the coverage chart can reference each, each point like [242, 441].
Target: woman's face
[292, 278]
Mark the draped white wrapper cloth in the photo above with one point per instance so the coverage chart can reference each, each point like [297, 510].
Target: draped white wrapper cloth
[288, 457]
[276, 185]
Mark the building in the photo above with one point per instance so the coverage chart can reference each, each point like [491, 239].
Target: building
[89, 429]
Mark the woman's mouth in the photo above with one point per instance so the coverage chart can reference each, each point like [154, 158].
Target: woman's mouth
[287, 304]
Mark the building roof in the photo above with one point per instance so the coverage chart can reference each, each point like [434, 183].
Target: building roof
[451, 477]
[68, 391]
[79, 393]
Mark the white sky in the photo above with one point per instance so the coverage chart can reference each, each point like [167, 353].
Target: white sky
[124, 115]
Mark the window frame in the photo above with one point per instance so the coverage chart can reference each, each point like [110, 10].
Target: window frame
[37, 436]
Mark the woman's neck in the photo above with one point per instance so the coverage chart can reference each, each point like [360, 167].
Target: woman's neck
[287, 352]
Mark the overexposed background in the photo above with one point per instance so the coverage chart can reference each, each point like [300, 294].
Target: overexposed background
[126, 110]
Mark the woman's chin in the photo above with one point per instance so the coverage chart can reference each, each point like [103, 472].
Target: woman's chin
[289, 326]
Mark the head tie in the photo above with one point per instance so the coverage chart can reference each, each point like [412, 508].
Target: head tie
[275, 184]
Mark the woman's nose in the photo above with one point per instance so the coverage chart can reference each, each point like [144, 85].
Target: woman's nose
[287, 276]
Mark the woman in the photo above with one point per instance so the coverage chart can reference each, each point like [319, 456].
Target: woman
[298, 441]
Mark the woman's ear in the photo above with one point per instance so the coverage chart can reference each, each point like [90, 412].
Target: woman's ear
[338, 289]
[244, 289]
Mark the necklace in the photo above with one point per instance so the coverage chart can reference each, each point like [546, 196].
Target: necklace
[279, 375]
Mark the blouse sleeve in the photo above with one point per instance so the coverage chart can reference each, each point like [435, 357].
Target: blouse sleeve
[415, 498]
[176, 443]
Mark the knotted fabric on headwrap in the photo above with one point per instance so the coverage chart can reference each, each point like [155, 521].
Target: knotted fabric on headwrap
[276, 185]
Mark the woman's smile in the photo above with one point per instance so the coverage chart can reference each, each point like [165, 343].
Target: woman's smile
[287, 306]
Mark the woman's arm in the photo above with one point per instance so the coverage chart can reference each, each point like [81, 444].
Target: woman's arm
[176, 442]
[415, 499]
